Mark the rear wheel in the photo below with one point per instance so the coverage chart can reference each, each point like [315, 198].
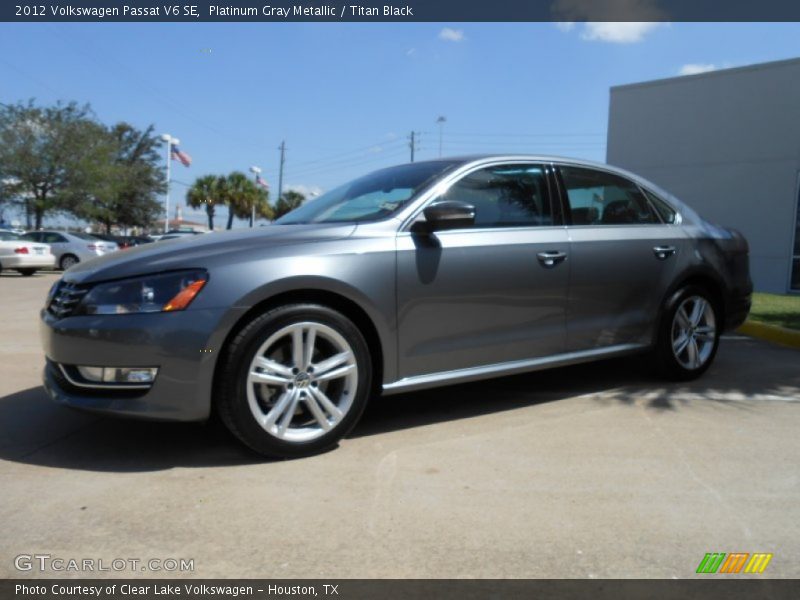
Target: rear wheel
[294, 381]
[67, 261]
[689, 335]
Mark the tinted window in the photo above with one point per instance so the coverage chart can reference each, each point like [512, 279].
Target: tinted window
[8, 236]
[505, 196]
[664, 210]
[31, 237]
[375, 196]
[598, 198]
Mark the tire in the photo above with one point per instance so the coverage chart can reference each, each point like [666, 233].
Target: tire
[67, 261]
[688, 337]
[26, 272]
[262, 376]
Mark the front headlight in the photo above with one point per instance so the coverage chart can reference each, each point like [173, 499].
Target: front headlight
[152, 293]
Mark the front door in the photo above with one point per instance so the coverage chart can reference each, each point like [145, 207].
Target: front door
[491, 293]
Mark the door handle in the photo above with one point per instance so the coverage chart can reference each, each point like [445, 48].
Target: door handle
[663, 252]
[551, 259]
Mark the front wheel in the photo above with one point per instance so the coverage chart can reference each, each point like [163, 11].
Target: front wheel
[689, 335]
[294, 380]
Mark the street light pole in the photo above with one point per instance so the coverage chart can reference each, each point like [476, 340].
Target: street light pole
[256, 171]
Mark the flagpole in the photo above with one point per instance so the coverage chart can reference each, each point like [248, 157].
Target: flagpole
[169, 139]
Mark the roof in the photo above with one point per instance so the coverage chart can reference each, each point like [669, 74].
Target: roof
[776, 64]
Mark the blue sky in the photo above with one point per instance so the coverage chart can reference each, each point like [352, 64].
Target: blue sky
[345, 96]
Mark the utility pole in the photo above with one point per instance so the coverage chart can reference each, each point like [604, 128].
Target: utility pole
[412, 143]
[440, 122]
[282, 148]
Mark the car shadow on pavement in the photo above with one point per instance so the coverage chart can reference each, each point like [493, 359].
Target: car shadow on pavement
[33, 430]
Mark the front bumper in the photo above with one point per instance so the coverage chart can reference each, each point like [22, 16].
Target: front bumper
[180, 344]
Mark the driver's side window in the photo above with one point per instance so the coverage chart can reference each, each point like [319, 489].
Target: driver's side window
[505, 196]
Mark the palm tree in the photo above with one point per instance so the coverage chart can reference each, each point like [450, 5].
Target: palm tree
[205, 191]
[241, 195]
[288, 202]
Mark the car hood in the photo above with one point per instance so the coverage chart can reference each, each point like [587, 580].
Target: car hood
[199, 251]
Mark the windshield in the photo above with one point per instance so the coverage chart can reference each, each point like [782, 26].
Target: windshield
[375, 196]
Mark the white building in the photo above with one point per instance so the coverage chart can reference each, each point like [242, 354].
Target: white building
[728, 143]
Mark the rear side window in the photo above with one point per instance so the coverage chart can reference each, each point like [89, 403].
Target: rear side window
[505, 196]
[664, 210]
[599, 198]
[31, 237]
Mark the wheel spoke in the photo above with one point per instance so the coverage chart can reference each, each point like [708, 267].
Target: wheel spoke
[268, 378]
[331, 363]
[289, 414]
[705, 333]
[279, 408]
[312, 405]
[698, 310]
[335, 373]
[326, 403]
[683, 318]
[679, 345]
[297, 347]
[693, 354]
[311, 338]
[273, 366]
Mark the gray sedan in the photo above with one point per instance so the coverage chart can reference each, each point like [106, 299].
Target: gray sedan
[414, 276]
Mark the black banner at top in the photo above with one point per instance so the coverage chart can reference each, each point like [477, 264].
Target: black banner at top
[399, 10]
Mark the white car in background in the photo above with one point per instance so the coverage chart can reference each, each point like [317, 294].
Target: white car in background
[71, 248]
[24, 256]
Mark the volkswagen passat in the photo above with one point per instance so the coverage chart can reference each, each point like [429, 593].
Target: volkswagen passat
[415, 276]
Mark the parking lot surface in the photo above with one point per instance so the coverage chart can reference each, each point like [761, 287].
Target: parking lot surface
[590, 471]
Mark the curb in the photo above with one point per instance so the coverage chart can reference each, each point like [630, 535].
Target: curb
[771, 333]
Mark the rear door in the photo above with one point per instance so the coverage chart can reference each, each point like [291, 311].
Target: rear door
[624, 254]
[486, 294]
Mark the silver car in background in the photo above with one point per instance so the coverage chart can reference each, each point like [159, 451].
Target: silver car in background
[23, 256]
[71, 248]
[415, 276]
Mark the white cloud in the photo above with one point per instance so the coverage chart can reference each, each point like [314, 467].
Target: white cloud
[618, 33]
[695, 68]
[410, 51]
[452, 35]
[565, 26]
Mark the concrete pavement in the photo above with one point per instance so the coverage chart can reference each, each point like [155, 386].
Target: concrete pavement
[589, 471]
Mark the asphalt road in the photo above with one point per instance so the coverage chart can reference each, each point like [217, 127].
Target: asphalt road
[590, 471]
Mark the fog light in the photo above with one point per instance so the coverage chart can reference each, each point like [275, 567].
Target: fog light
[119, 374]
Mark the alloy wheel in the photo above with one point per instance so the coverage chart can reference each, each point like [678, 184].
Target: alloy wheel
[693, 332]
[302, 381]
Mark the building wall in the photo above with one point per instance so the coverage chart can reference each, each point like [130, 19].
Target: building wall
[727, 143]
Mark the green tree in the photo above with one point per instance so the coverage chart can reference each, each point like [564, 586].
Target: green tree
[206, 193]
[49, 156]
[122, 189]
[288, 202]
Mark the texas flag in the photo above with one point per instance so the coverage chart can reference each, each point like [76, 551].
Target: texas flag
[178, 154]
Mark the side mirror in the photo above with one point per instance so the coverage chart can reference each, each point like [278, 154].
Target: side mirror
[447, 214]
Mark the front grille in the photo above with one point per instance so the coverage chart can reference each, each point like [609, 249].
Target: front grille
[65, 299]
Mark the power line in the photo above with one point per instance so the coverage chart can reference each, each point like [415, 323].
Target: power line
[345, 154]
